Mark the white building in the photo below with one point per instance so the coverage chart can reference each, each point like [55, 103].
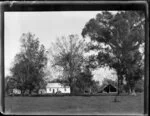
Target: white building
[16, 91]
[57, 87]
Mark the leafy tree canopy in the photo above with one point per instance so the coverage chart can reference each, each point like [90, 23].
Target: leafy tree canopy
[67, 54]
[117, 38]
[28, 68]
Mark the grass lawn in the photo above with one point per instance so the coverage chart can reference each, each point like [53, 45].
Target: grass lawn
[75, 105]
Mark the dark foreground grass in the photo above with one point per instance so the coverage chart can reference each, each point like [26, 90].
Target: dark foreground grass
[75, 105]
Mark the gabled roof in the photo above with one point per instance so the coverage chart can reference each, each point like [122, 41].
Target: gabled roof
[57, 85]
[107, 85]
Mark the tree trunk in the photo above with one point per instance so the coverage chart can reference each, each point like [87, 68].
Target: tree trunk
[22, 92]
[71, 86]
[71, 89]
[120, 80]
[129, 91]
[132, 90]
[30, 91]
[118, 85]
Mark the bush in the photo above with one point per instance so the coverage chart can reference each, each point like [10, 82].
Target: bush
[139, 87]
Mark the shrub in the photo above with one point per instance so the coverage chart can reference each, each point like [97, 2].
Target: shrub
[139, 87]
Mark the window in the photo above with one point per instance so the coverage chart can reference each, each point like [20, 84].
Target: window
[49, 89]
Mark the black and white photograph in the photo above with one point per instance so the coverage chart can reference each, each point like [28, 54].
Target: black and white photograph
[74, 62]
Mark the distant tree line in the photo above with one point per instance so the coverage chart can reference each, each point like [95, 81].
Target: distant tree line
[116, 38]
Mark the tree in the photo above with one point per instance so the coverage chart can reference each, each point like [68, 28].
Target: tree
[28, 68]
[84, 81]
[9, 84]
[117, 38]
[67, 54]
[139, 87]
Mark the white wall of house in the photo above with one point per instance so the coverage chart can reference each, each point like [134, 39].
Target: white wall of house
[56, 89]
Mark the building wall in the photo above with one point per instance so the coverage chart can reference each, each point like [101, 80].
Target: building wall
[55, 89]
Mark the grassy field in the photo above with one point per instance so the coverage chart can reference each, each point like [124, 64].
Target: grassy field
[75, 105]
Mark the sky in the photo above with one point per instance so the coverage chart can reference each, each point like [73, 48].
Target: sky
[47, 26]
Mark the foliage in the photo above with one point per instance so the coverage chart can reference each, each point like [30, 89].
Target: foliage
[139, 87]
[29, 64]
[9, 84]
[107, 81]
[84, 81]
[117, 38]
[67, 54]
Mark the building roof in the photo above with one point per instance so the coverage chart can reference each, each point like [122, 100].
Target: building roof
[57, 85]
[102, 88]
